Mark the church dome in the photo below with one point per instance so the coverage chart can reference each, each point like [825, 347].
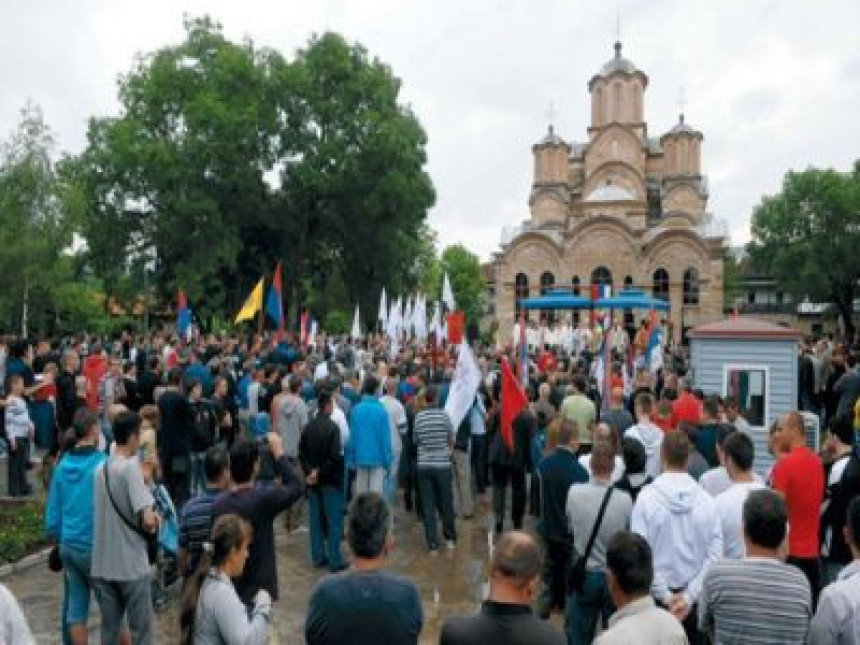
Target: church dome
[618, 64]
[551, 138]
[682, 127]
[610, 193]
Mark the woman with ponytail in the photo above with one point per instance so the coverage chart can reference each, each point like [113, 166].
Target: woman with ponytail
[212, 612]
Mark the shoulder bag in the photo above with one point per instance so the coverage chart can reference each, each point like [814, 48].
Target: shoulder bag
[151, 539]
[576, 575]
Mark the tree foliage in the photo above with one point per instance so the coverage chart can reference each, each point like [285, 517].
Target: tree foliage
[226, 158]
[467, 282]
[807, 237]
[39, 205]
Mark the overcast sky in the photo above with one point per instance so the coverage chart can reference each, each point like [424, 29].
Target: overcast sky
[772, 84]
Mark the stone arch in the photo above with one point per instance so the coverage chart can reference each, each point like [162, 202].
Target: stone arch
[683, 198]
[677, 250]
[619, 172]
[600, 150]
[602, 241]
[532, 253]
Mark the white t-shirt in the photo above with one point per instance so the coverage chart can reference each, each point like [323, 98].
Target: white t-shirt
[340, 421]
[730, 508]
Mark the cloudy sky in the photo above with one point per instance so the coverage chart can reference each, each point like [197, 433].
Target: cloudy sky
[773, 84]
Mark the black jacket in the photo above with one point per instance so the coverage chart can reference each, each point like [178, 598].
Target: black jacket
[500, 624]
[558, 472]
[839, 496]
[319, 447]
[523, 427]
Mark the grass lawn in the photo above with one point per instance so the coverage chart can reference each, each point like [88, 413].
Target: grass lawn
[21, 529]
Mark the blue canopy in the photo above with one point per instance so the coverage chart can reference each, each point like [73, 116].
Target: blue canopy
[554, 300]
[632, 299]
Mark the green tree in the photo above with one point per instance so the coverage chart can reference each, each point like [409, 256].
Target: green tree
[354, 193]
[37, 209]
[807, 237]
[467, 282]
[227, 158]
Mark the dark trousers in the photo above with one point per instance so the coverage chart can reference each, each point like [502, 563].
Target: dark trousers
[586, 607]
[811, 568]
[556, 561]
[437, 495]
[479, 463]
[175, 471]
[408, 474]
[326, 525]
[17, 466]
[502, 474]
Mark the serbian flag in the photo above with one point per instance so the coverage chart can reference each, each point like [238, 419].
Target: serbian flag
[303, 327]
[599, 291]
[275, 302]
[183, 315]
[523, 358]
[654, 351]
[456, 324]
[514, 401]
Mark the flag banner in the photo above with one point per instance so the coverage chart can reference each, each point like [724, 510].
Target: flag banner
[275, 300]
[356, 326]
[448, 294]
[654, 351]
[183, 315]
[303, 328]
[523, 353]
[456, 326]
[464, 386]
[252, 305]
[382, 314]
[514, 400]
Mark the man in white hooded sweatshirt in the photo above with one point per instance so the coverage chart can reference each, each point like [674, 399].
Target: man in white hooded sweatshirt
[647, 433]
[680, 522]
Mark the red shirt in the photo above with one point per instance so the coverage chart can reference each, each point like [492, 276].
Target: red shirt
[664, 423]
[686, 408]
[799, 476]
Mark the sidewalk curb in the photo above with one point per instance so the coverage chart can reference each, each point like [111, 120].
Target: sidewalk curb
[27, 562]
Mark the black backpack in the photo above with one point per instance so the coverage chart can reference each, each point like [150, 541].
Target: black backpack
[203, 427]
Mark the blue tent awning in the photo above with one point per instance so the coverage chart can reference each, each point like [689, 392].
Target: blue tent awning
[632, 299]
[555, 300]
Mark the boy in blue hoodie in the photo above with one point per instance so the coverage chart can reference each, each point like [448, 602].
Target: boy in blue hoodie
[69, 520]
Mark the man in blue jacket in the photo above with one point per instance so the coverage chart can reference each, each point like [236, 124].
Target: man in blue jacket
[69, 520]
[369, 448]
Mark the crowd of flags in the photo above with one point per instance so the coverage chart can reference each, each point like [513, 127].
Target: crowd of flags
[407, 316]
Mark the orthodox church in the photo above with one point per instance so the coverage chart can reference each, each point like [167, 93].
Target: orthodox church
[621, 208]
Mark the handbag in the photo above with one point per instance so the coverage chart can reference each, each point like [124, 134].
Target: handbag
[151, 539]
[576, 574]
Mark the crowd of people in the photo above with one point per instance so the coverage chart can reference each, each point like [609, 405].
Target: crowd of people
[638, 510]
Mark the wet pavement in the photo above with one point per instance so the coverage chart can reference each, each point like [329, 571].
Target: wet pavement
[450, 582]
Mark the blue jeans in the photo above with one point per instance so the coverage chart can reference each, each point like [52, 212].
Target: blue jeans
[326, 519]
[584, 609]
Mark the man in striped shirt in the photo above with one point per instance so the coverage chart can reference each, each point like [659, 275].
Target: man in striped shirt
[758, 599]
[196, 517]
[434, 437]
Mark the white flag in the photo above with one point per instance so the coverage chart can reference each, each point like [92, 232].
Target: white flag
[464, 386]
[356, 327]
[421, 318]
[382, 315]
[448, 294]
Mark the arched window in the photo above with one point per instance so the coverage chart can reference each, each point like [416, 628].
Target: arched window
[601, 276]
[521, 289]
[661, 284]
[691, 286]
[547, 283]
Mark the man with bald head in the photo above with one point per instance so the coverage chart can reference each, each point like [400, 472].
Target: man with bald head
[617, 416]
[799, 476]
[506, 618]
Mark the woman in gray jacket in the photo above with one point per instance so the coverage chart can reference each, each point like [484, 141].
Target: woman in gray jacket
[212, 613]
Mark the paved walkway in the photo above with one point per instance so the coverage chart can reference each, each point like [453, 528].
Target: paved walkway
[450, 583]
